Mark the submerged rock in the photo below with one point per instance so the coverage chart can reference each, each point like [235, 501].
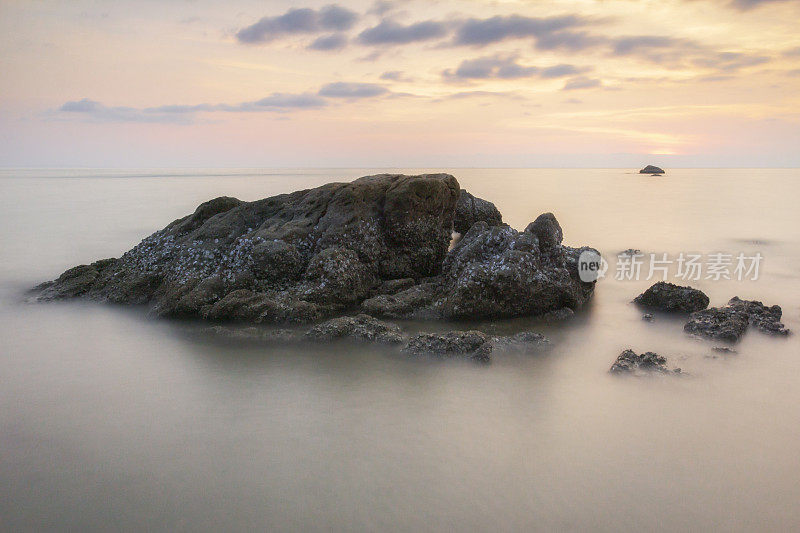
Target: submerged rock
[453, 344]
[524, 341]
[471, 209]
[253, 334]
[673, 298]
[723, 349]
[630, 362]
[651, 169]
[729, 323]
[359, 327]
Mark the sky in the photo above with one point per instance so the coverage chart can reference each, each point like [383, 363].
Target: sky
[400, 83]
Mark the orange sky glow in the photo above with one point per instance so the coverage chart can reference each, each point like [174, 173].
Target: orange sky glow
[400, 83]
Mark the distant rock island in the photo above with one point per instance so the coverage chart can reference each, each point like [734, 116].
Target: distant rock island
[650, 169]
[381, 245]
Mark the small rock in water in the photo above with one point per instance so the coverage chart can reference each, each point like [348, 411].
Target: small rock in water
[724, 349]
[673, 298]
[453, 344]
[630, 362]
[729, 323]
[647, 317]
[766, 319]
[651, 169]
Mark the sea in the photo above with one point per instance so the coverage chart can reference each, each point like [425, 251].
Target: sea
[112, 420]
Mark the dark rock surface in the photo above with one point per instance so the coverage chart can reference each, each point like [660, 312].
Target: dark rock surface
[253, 334]
[765, 319]
[723, 349]
[500, 272]
[328, 247]
[547, 230]
[413, 302]
[359, 327]
[723, 323]
[524, 341]
[729, 323]
[379, 243]
[629, 362]
[559, 315]
[453, 344]
[471, 209]
[673, 298]
[651, 169]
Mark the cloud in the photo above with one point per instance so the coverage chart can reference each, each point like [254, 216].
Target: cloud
[559, 71]
[390, 32]
[792, 52]
[480, 94]
[98, 112]
[506, 67]
[482, 32]
[744, 5]
[298, 20]
[395, 75]
[730, 61]
[336, 41]
[568, 40]
[640, 44]
[381, 8]
[491, 67]
[342, 89]
[184, 114]
[582, 82]
[285, 101]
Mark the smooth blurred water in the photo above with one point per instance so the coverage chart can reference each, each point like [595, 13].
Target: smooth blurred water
[109, 420]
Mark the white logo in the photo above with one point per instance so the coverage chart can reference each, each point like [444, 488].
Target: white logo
[591, 266]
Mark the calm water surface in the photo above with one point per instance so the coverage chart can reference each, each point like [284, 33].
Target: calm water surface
[111, 420]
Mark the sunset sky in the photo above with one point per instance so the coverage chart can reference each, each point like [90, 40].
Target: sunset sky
[400, 83]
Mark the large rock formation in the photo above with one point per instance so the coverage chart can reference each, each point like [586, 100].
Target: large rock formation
[380, 242]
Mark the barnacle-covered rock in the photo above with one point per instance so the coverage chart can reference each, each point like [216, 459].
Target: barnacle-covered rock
[471, 344]
[471, 209]
[729, 323]
[359, 327]
[501, 272]
[629, 362]
[314, 250]
[379, 243]
[669, 297]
